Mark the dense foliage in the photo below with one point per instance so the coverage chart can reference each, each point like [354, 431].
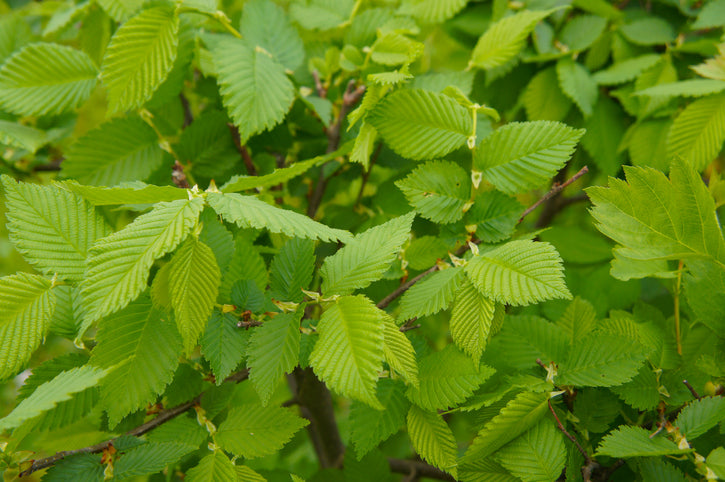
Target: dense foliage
[319, 240]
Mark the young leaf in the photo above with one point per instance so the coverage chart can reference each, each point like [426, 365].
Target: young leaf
[438, 190]
[349, 353]
[399, 352]
[697, 134]
[419, 124]
[685, 88]
[471, 320]
[223, 344]
[252, 431]
[135, 193]
[432, 439]
[119, 264]
[537, 455]
[432, 11]
[215, 467]
[291, 270]
[629, 441]
[523, 339]
[626, 70]
[273, 351]
[601, 360]
[264, 24]
[523, 155]
[519, 273]
[365, 258]
[431, 295]
[578, 320]
[46, 79]
[51, 227]
[543, 99]
[149, 458]
[494, 215]
[139, 57]
[250, 212]
[246, 264]
[24, 137]
[577, 84]
[27, 304]
[369, 426]
[194, 279]
[700, 416]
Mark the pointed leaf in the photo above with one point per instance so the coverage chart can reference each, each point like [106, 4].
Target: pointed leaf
[471, 319]
[626, 70]
[601, 360]
[577, 84]
[291, 270]
[438, 190]
[543, 98]
[369, 426]
[149, 458]
[538, 455]
[399, 353]
[523, 339]
[265, 24]
[433, 294]
[223, 344]
[698, 133]
[24, 137]
[578, 320]
[629, 441]
[700, 416]
[215, 467]
[135, 193]
[432, 439]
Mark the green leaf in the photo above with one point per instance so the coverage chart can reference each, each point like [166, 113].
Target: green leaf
[486, 470]
[139, 58]
[215, 467]
[194, 279]
[685, 88]
[628, 441]
[505, 38]
[349, 353]
[119, 264]
[366, 257]
[447, 378]
[254, 87]
[252, 431]
[577, 84]
[223, 344]
[432, 11]
[523, 339]
[699, 416]
[605, 131]
[471, 319]
[626, 70]
[27, 304]
[601, 360]
[432, 439]
[265, 25]
[580, 32]
[46, 79]
[77, 468]
[698, 133]
[369, 426]
[578, 320]
[657, 469]
[144, 346]
[431, 295]
[642, 392]
[124, 149]
[274, 350]
[399, 352]
[424, 252]
[14, 34]
[291, 270]
[24, 137]
[52, 228]
[438, 190]
[419, 124]
[121, 10]
[321, 14]
[519, 273]
[543, 99]
[134, 193]
[246, 264]
[712, 15]
[51, 393]
[596, 409]
[518, 416]
[648, 31]
[494, 216]
[250, 212]
[524, 155]
[149, 458]
[245, 474]
[716, 461]
[538, 455]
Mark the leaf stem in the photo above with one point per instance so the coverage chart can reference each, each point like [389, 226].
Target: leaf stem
[556, 188]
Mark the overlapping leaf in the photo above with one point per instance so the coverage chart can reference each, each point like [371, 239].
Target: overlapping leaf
[537, 455]
[494, 215]
[471, 319]
[700, 416]
[22, 136]
[601, 360]
[697, 134]
[629, 441]
[543, 99]
[577, 84]
[215, 467]
[399, 352]
[223, 345]
[292, 269]
[438, 190]
[432, 439]
[265, 24]
[432, 294]
[432, 11]
[370, 426]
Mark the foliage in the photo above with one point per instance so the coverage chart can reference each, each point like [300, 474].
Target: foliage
[249, 240]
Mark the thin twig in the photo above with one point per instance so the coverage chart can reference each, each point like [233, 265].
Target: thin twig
[403, 329]
[243, 151]
[581, 450]
[556, 188]
[188, 116]
[420, 469]
[692, 390]
[382, 304]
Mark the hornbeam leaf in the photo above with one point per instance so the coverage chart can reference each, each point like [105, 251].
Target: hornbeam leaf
[251, 430]
[250, 212]
[365, 258]
[524, 155]
[223, 344]
[292, 269]
[629, 441]
[46, 79]
[433, 439]
[543, 98]
[399, 352]
[519, 273]
[368, 426]
[27, 304]
[215, 467]
[119, 264]
[419, 124]
[432, 294]
[537, 455]
[601, 360]
[577, 84]
[432, 11]
[685, 88]
[134, 193]
[149, 458]
[697, 134]
[139, 57]
[349, 353]
[52, 228]
[471, 319]
[121, 10]
[438, 190]
[699, 416]
[626, 70]
[194, 278]
[523, 339]
[265, 24]
[24, 137]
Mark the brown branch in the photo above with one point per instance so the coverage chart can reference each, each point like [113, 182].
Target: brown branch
[382, 304]
[590, 463]
[403, 329]
[692, 390]
[420, 469]
[243, 151]
[366, 173]
[188, 116]
[556, 188]
[163, 417]
[319, 88]
[178, 176]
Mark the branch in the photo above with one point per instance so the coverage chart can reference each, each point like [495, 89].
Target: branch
[590, 463]
[692, 390]
[251, 168]
[405, 287]
[556, 188]
[163, 417]
[420, 469]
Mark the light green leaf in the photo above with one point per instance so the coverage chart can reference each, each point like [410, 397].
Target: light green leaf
[642, 391]
[648, 31]
[419, 124]
[399, 352]
[194, 279]
[626, 70]
[523, 339]
[364, 145]
[291, 270]
[578, 320]
[252, 431]
[27, 304]
[698, 133]
[246, 264]
[393, 48]
[438, 190]
[144, 346]
[433, 294]
[121, 10]
[254, 87]
[124, 149]
[149, 458]
[425, 251]
[119, 264]
[486, 470]
[369, 426]
[447, 378]
[494, 215]
[265, 24]
[471, 319]
[657, 469]
[250, 212]
[577, 84]
[432, 11]
[14, 34]
[77, 468]
[349, 353]
[135, 193]
[716, 461]
[24, 137]
[321, 14]
[685, 88]
[505, 38]
[365, 258]
[215, 467]
[52, 228]
[580, 32]
[628, 441]
[51, 393]
[643, 151]
[223, 344]
[524, 155]
[605, 131]
[433, 439]
[519, 273]
[274, 350]
[46, 79]
[543, 99]
[699, 416]
[140, 56]
[245, 474]
[538, 455]
[712, 15]
[601, 360]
